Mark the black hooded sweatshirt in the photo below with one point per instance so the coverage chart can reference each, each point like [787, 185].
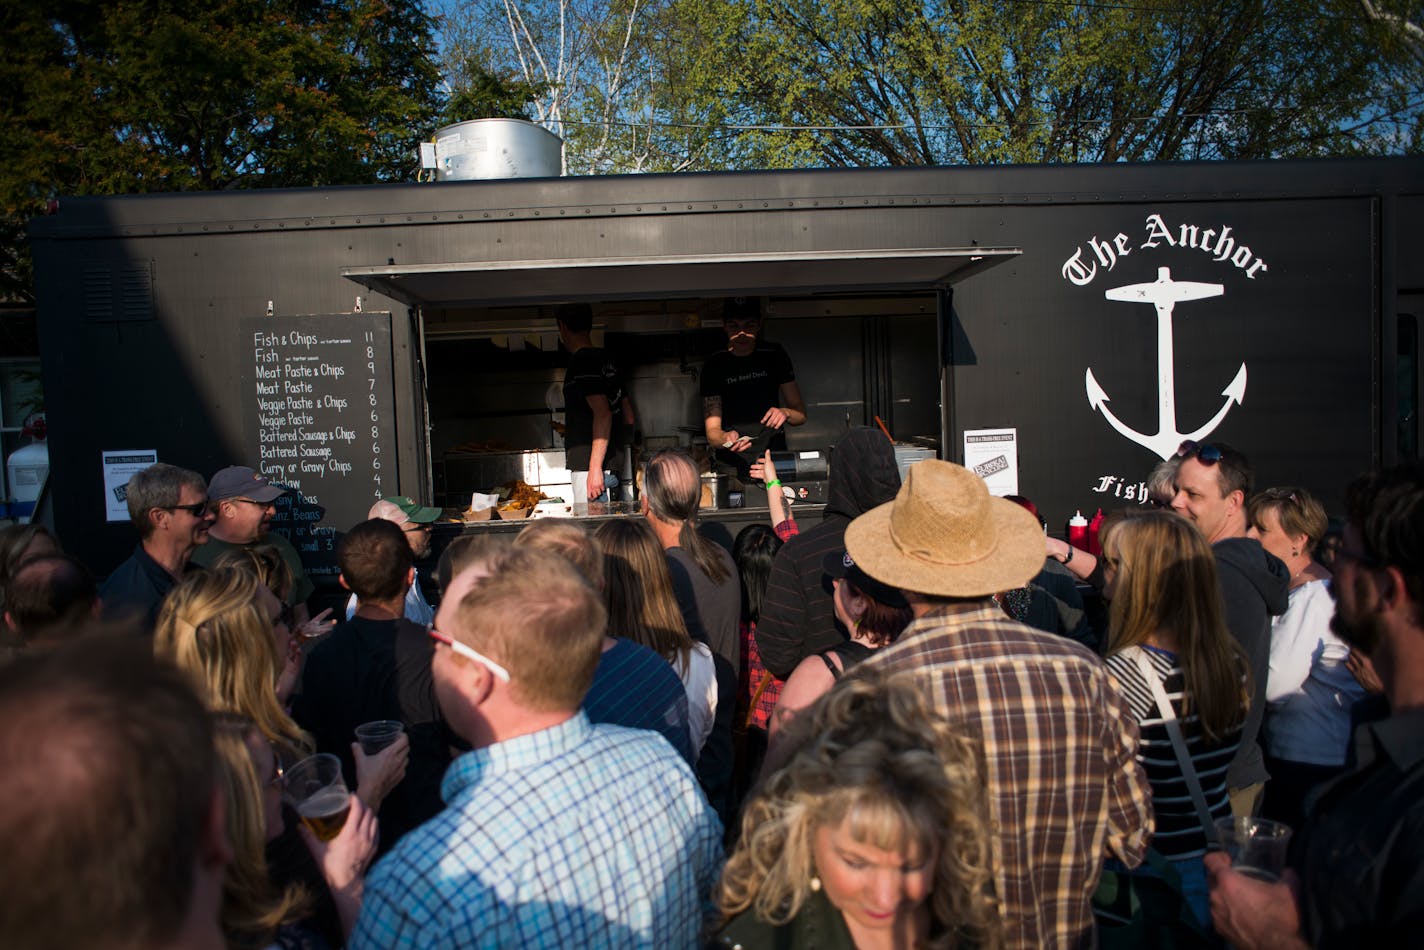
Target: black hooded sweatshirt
[797, 616]
[1254, 587]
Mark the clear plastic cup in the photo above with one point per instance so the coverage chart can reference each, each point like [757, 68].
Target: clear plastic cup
[375, 736]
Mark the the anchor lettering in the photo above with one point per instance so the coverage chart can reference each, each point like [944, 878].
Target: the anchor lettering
[1165, 293]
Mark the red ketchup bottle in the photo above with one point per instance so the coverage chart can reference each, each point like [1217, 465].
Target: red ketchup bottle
[1078, 531]
[1095, 547]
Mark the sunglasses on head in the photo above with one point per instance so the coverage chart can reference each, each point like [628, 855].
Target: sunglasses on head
[1203, 452]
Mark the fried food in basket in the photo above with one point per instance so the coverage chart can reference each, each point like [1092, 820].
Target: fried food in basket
[520, 495]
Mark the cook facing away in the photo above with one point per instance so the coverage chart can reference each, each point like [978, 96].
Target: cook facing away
[749, 388]
[597, 408]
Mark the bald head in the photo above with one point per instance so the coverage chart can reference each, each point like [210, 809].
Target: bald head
[672, 486]
[49, 597]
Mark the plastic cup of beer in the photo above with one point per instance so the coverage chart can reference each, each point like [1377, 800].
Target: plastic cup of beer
[1257, 846]
[318, 793]
[375, 736]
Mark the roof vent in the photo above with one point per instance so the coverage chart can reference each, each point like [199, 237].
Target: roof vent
[493, 148]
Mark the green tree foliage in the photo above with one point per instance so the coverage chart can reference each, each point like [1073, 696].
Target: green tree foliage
[478, 93]
[663, 85]
[160, 95]
[989, 81]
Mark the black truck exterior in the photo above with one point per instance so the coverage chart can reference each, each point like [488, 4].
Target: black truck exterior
[1105, 313]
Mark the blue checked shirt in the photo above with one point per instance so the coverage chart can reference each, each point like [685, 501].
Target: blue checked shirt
[575, 836]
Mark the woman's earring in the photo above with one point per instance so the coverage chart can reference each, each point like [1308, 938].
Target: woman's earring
[815, 883]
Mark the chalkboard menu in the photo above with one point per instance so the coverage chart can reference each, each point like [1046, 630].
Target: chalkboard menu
[321, 423]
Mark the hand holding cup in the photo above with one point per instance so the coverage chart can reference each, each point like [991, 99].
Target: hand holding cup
[377, 774]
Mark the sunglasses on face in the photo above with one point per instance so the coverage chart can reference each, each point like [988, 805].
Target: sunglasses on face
[197, 509]
[1203, 452]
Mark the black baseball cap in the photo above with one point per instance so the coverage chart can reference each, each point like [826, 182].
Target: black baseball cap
[838, 564]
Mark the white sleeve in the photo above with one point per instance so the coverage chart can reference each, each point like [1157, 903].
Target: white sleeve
[350, 606]
[701, 685]
[1299, 637]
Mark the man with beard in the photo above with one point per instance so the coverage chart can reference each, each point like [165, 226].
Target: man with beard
[417, 523]
[169, 507]
[244, 502]
[1359, 860]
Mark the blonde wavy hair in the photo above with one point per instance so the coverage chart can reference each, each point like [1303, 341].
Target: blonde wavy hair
[874, 755]
[1167, 580]
[252, 906]
[212, 626]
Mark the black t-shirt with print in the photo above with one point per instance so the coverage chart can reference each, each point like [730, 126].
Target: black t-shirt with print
[749, 385]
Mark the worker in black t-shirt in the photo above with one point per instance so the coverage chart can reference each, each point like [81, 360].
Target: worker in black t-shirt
[597, 410]
[748, 388]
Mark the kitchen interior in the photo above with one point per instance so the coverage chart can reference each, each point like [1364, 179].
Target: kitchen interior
[495, 401]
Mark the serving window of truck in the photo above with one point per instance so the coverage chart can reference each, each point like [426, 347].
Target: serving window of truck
[861, 329]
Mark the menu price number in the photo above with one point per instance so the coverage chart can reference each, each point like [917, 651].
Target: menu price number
[369, 339]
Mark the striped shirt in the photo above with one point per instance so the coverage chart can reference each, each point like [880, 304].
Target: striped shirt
[635, 687]
[572, 836]
[1059, 741]
[1178, 828]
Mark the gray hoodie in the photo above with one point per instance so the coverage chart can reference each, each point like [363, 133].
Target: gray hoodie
[1254, 587]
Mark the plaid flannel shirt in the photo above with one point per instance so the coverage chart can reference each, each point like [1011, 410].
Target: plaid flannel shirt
[1060, 744]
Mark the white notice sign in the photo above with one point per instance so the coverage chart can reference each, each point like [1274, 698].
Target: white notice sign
[993, 455]
[119, 466]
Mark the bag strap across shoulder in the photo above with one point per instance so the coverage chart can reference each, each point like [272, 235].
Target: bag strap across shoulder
[1179, 745]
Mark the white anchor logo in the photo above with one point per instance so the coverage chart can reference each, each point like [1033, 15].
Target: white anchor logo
[1164, 293]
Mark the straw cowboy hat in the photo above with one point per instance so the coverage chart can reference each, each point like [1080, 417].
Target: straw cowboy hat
[945, 536]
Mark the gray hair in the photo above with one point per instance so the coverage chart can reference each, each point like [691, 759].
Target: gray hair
[1162, 483]
[158, 486]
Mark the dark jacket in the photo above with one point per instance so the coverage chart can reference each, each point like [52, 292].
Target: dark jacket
[1254, 588]
[797, 616]
[136, 588]
[818, 926]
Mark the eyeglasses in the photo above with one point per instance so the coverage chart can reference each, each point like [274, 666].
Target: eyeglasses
[469, 653]
[197, 509]
[413, 526]
[253, 501]
[1203, 452]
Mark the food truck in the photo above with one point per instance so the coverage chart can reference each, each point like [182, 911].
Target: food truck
[1060, 329]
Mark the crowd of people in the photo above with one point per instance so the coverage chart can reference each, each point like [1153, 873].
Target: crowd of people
[898, 728]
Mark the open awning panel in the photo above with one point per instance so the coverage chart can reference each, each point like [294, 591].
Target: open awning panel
[506, 283]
